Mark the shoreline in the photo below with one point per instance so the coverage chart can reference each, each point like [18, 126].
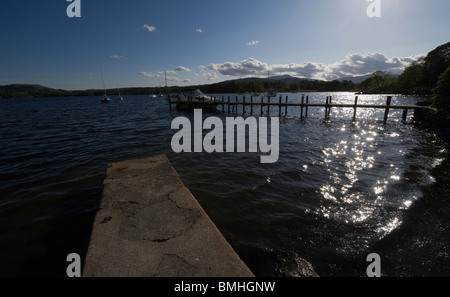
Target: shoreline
[430, 121]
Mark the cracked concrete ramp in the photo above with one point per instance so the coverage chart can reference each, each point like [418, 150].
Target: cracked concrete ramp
[150, 225]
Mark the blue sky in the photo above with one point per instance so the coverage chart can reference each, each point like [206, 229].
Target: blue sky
[205, 41]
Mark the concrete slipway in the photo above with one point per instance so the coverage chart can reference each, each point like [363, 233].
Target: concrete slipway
[150, 225]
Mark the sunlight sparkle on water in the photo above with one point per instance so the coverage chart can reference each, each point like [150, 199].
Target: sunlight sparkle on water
[407, 204]
[389, 227]
[395, 177]
[362, 215]
[378, 190]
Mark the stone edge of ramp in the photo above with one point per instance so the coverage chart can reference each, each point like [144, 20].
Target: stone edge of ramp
[150, 225]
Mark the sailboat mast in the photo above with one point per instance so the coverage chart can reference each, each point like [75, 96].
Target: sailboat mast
[104, 87]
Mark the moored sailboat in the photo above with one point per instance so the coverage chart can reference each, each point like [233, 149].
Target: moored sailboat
[120, 97]
[105, 98]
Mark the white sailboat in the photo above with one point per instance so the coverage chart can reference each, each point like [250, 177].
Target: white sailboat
[120, 97]
[160, 94]
[105, 98]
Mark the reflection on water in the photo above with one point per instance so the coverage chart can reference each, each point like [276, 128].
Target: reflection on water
[339, 189]
[338, 185]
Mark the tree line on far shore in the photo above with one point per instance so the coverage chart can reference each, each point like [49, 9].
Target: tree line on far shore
[428, 75]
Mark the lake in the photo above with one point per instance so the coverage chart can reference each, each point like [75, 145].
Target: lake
[339, 191]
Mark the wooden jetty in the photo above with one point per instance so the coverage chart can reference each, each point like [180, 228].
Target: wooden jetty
[283, 102]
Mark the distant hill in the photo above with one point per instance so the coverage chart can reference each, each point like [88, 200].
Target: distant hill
[289, 79]
[282, 83]
[292, 79]
[39, 91]
[279, 78]
[283, 79]
[24, 91]
[360, 79]
[356, 79]
[23, 88]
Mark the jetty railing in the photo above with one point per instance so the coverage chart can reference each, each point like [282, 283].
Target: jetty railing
[304, 105]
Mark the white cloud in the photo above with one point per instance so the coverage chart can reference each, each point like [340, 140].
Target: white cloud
[250, 67]
[173, 78]
[149, 28]
[306, 70]
[182, 69]
[117, 57]
[149, 75]
[208, 75]
[352, 65]
[167, 72]
[199, 30]
[359, 64]
[161, 76]
[251, 43]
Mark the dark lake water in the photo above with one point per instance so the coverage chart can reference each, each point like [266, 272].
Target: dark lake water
[339, 191]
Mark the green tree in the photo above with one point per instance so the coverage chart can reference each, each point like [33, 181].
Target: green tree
[411, 81]
[381, 82]
[441, 94]
[436, 62]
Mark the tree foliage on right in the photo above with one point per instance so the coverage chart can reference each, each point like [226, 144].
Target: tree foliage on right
[441, 94]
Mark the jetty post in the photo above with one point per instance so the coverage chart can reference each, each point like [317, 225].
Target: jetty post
[404, 115]
[286, 106]
[301, 107]
[279, 107]
[307, 102]
[262, 102]
[304, 106]
[354, 108]
[388, 107]
[329, 108]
